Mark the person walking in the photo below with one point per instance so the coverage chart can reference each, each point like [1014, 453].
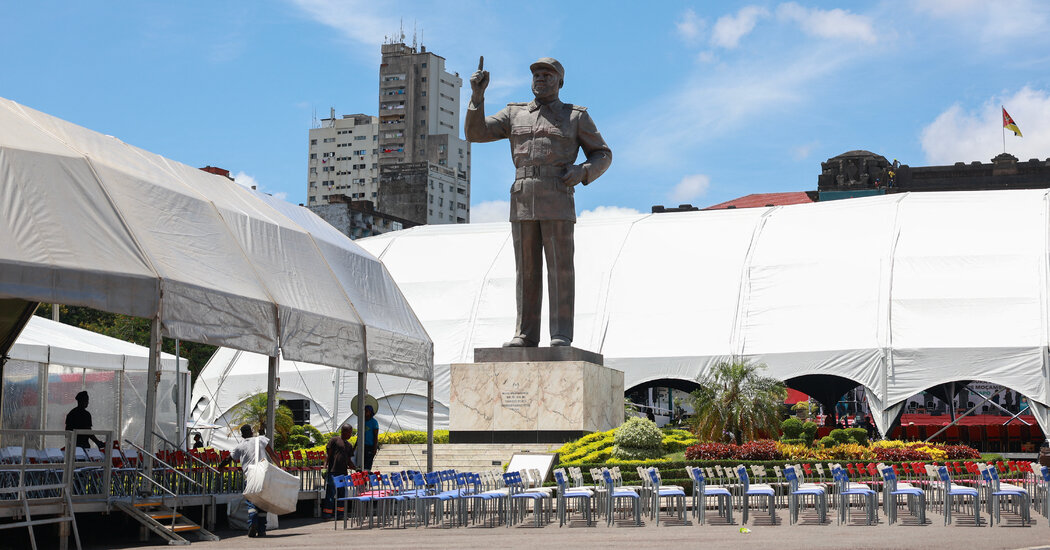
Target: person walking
[247, 454]
[80, 419]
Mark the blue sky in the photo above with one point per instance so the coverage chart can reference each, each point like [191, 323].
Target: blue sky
[701, 102]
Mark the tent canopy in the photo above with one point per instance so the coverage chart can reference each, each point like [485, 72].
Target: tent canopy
[88, 220]
[898, 293]
[47, 341]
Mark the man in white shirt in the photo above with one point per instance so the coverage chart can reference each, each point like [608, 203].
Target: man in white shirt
[246, 452]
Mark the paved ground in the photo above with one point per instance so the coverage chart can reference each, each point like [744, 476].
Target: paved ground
[311, 533]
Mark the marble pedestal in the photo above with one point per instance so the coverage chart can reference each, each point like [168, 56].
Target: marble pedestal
[554, 400]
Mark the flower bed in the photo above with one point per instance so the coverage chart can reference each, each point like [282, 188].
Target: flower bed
[883, 451]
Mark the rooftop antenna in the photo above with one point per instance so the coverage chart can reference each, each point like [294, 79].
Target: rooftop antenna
[402, 30]
[413, 34]
[313, 119]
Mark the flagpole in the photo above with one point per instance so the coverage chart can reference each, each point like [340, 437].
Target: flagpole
[1003, 107]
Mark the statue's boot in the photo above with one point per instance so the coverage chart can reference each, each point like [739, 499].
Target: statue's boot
[520, 342]
[557, 341]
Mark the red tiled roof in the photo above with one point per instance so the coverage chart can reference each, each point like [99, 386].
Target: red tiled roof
[758, 200]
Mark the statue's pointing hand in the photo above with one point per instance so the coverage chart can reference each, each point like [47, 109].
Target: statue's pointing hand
[480, 79]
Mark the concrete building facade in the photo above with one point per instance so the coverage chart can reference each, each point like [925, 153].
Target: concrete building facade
[424, 166]
[357, 218]
[343, 159]
[409, 160]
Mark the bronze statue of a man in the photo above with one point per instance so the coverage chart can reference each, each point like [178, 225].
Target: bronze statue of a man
[545, 138]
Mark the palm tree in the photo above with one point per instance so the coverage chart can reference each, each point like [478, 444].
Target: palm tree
[735, 402]
[253, 411]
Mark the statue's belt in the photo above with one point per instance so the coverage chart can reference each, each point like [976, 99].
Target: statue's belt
[541, 171]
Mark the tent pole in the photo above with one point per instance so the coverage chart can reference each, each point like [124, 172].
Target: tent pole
[180, 424]
[430, 425]
[271, 401]
[152, 377]
[362, 391]
[960, 417]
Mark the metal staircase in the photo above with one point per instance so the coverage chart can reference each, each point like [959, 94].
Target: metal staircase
[166, 522]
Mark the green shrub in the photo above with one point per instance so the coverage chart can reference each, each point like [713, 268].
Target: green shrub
[840, 436]
[638, 439]
[798, 441]
[858, 435]
[639, 432]
[828, 442]
[315, 435]
[676, 441]
[809, 433]
[792, 428]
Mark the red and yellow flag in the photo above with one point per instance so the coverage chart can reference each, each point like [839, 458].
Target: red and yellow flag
[1009, 124]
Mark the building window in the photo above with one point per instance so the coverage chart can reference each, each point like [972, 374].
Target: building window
[422, 107]
[313, 156]
[313, 142]
[360, 137]
[374, 193]
[424, 65]
[313, 199]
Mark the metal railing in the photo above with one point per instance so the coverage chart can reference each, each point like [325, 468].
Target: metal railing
[149, 464]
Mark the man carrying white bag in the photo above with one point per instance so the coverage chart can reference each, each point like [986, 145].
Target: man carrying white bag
[267, 487]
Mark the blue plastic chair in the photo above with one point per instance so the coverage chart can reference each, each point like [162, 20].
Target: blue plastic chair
[763, 491]
[1022, 501]
[723, 498]
[676, 496]
[518, 493]
[797, 492]
[953, 492]
[847, 490]
[614, 493]
[891, 489]
[567, 494]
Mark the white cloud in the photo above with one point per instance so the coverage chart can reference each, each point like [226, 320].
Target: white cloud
[723, 100]
[608, 212]
[835, 23]
[490, 211]
[963, 135]
[729, 29]
[990, 22]
[355, 19]
[691, 187]
[244, 179]
[690, 26]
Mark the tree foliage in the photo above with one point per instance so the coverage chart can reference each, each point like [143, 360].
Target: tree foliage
[736, 404]
[130, 329]
[253, 411]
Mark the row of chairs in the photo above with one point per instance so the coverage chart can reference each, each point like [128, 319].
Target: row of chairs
[449, 498]
[990, 437]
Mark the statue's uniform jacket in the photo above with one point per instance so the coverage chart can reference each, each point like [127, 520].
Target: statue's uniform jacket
[544, 142]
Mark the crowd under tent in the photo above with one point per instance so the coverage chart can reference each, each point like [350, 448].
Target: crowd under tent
[897, 294]
[323, 393]
[88, 220]
[51, 362]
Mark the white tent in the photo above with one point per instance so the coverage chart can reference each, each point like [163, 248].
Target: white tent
[51, 362]
[231, 376]
[88, 220]
[898, 293]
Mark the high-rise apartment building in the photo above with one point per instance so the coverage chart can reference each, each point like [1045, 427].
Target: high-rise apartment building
[410, 160]
[343, 159]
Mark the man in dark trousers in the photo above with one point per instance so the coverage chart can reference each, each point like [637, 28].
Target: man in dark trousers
[247, 454]
[371, 436]
[338, 462]
[545, 137]
[80, 419]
